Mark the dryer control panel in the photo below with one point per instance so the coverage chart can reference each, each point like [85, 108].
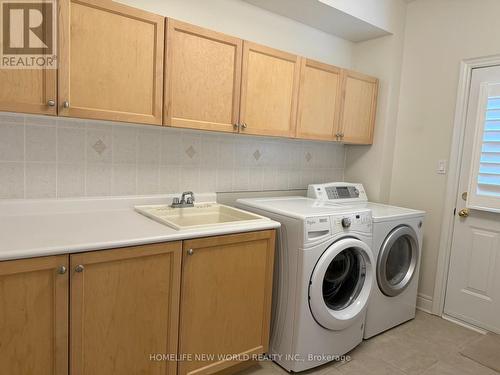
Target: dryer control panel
[338, 192]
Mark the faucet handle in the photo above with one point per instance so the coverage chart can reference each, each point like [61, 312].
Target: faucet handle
[190, 200]
[175, 200]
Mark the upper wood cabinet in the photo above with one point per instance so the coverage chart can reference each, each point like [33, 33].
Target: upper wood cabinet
[270, 83]
[28, 91]
[358, 108]
[124, 308]
[34, 316]
[319, 100]
[226, 299]
[110, 62]
[203, 78]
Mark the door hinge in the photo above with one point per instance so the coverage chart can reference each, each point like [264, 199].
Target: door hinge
[454, 211]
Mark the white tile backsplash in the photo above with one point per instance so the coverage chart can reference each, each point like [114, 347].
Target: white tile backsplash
[41, 143]
[46, 157]
[12, 180]
[70, 180]
[41, 180]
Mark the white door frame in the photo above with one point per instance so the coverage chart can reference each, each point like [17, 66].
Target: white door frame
[455, 159]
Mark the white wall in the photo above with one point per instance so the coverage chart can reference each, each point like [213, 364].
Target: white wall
[249, 22]
[439, 34]
[381, 58]
[384, 14]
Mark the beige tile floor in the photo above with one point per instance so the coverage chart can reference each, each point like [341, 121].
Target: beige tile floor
[427, 345]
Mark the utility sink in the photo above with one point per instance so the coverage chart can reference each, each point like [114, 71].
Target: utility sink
[200, 216]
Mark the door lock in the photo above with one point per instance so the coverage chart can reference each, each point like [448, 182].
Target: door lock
[464, 212]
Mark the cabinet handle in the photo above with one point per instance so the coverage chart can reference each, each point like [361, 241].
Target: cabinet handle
[244, 125]
[79, 268]
[51, 103]
[66, 104]
[236, 126]
[190, 252]
[61, 270]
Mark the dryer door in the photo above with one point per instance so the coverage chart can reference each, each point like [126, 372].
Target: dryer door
[397, 261]
[341, 283]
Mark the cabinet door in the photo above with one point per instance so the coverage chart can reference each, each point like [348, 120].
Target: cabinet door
[226, 299]
[359, 108]
[319, 100]
[28, 91]
[203, 78]
[34, 316]
[124, 309]
[269, 90]
[111, 62]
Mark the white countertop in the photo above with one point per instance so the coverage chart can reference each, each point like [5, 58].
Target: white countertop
[49, 227]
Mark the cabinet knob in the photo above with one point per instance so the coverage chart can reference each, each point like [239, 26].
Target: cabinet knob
[236, 126]
[190, 252]
[66, 104]
[61, 270]
[51, 103]
[244, 125]
[79, 268]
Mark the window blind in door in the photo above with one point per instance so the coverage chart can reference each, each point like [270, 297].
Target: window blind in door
[484, 185]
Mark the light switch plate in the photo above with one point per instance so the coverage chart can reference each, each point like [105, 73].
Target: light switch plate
[441, 168]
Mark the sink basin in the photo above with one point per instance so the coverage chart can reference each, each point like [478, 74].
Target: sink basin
[201, 215]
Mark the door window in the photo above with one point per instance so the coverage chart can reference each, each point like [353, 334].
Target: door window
[344, 279]
[484, 184]
[397, 261]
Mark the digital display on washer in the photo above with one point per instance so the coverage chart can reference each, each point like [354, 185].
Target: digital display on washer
[341, 192]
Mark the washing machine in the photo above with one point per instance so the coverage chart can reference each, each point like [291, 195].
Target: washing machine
[324, 275]
[397, 247]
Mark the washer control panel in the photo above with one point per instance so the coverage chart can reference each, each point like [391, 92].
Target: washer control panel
[338, 192]
[360, 222]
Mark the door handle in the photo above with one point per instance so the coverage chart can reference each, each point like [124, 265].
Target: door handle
[464, 212]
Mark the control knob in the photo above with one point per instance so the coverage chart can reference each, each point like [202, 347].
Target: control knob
[346, 222]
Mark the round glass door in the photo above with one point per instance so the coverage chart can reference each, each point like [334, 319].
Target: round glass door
[397, 261]
[341, 283]
[344, 279]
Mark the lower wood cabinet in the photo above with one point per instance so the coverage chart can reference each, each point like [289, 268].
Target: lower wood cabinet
[34, 316]
[124, 308]
[226, 300]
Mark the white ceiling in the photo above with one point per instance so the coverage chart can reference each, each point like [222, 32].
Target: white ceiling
[321, 16]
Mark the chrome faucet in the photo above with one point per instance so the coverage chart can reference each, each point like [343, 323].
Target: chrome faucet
[184, 202]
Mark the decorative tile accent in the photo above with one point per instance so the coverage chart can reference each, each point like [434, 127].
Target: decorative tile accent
[191, 152]
[43, 157]
[99, 147]
[257, 155]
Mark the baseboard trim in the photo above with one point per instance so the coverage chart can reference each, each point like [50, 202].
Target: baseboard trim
[424, 303]
[464, 324]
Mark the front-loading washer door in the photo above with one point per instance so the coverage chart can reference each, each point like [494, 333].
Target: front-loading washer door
[397, 261]
[341, 283]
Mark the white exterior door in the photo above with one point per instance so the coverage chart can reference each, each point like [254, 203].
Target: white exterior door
[473, 289]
